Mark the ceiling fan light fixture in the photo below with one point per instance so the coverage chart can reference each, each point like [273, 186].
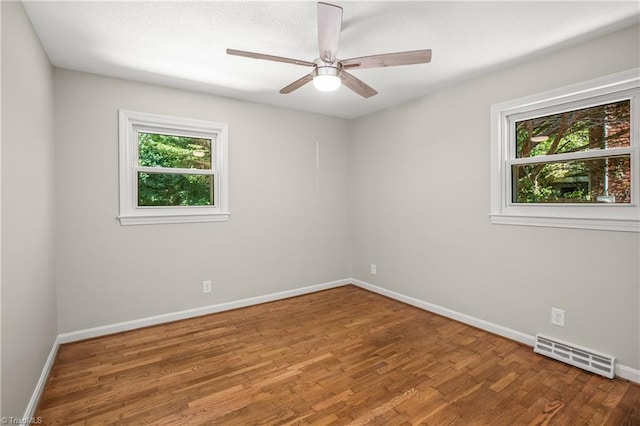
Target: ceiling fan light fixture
[326, 83]
[327, 79]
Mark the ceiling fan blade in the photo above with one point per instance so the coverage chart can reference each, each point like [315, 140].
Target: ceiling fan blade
[329, 26]
[357, 85]
[389, 59]
[297, 84]
[268, 57]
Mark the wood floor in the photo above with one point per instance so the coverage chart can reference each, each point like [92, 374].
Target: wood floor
[341, 356]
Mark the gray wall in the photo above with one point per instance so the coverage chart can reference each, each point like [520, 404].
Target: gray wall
[28, 210]
[288, 226]
[421, 198]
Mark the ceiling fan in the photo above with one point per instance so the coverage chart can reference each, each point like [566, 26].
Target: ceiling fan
[329, 72]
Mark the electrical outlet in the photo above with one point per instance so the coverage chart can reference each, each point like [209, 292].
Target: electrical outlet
[373, 269]
[557, 317]
[206, 286]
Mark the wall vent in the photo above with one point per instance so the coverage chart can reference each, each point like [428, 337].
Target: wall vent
[575, 355]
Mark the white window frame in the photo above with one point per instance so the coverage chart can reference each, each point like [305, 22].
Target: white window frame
[616, 217]
[132, 122]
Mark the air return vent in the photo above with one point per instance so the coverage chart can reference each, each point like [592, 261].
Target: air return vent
[575, 355]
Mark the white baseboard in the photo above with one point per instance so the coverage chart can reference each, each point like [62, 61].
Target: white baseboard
[196, 312]
[628, 373]
[621, 370]
[467, 319]
[27, 418]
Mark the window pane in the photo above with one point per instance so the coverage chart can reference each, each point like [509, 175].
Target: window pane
[155, 150]
[599, 127]
[599, 180]
[160, 189]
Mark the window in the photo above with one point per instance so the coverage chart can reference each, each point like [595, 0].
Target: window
[172, 169]
[569, 157]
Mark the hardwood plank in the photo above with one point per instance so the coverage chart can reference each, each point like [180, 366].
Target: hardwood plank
[341, 356]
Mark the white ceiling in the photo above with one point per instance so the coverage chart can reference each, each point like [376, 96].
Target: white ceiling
[182, 43]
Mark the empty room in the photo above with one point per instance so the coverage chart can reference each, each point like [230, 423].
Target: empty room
[304, 212]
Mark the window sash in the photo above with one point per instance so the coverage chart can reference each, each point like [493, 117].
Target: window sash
[153, 170]
[624, 95]
[173, 171]
[169, 171]
[582, 155]
[633, 152]
[213, 137]
[511, 184]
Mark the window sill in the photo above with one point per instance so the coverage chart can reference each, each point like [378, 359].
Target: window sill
[174, 218]
[609, 224]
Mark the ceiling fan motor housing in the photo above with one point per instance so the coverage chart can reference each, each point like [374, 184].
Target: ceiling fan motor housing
[328, 68]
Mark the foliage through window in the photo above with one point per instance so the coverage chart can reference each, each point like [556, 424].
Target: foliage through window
[174, 187]
[569, 157]
[172, 169]
[593, 180]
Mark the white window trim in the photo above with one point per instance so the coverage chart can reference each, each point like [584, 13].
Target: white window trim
[130, 213]
[625, 85]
